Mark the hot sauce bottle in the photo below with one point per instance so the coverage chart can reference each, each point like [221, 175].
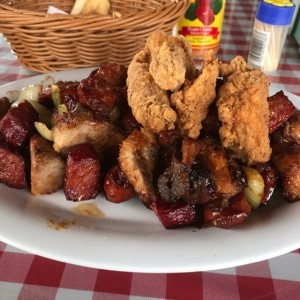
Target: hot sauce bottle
[202, 25]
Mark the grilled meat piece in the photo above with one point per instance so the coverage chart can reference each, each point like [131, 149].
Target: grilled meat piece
[47, 167]
[286, 159]
[174, 215]
[82, 180]
[111, 73]
[116, 186]
[4, 106]
[127, 122]
[138, 156]
[81, 126]
[281, 108]
[204, 174]
[174, 183]
[45, 98]
[223, 176]
[270, 177]
[101, 100]
[18, 124]
[215, 214]
[211, 124]
[68, 93]
[170, 147]
[12, 168]
[103, 89]
[289, 131]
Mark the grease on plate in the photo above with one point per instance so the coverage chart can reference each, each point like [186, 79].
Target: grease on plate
[89, 210]
[59, 224]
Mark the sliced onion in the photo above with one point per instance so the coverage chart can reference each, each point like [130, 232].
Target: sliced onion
[255, 188]
[44, 131]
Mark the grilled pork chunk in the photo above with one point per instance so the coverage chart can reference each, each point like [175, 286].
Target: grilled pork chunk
[138, 156]
[285, 143]
[223, 177]
[204, 174]
[286, 158]
[281, 108]
[80, 127]
[102, 90]
[289, 132]
[47, 167]
[67, 93]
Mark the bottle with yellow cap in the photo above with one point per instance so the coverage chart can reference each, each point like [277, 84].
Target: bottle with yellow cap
[270, 29]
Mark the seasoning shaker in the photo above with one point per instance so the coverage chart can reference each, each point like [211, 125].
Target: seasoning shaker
[270, 29]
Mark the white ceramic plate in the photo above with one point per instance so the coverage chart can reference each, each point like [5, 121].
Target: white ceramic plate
[128, 237]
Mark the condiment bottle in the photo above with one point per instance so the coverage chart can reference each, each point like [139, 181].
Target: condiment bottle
[202, 25]
[270, 29]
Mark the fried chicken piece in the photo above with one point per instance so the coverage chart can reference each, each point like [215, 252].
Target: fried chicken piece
[237, 64]
[171, 60]
[149, 103]
[244, 112]
[192, 103]
[138, 157]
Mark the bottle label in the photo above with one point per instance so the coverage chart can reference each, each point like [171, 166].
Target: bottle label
[258, 47]
[202, 22]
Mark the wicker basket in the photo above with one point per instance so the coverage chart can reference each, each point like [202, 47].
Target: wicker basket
[52, 42]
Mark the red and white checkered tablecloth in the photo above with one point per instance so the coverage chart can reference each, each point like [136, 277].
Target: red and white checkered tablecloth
[27, 276]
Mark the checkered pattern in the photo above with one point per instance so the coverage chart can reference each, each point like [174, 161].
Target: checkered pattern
[26, 276]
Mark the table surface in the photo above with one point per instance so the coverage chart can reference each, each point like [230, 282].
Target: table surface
[27, 276]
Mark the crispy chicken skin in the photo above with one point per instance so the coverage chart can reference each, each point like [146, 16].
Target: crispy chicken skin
[237, 64]
[244, 112]
[171, 60]
[164, 65]
[192, 103]
[138, 157]
[149, 103]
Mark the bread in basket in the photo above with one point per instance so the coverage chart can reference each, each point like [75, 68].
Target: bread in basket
[53, 42]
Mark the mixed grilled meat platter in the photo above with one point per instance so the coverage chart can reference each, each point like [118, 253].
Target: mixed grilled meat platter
[198, 145]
